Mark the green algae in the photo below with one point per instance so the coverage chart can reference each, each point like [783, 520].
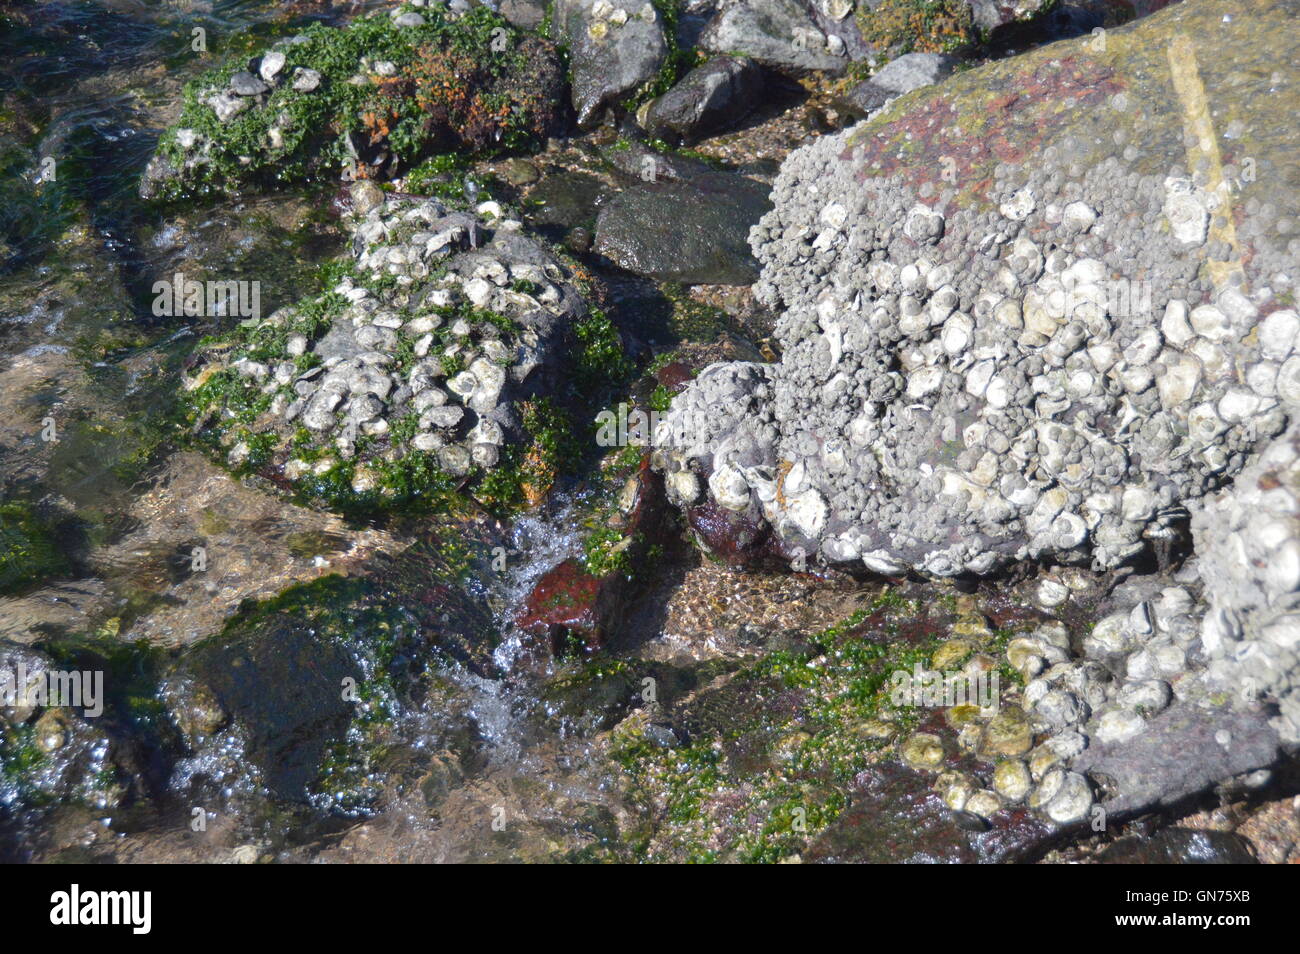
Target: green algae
[461, 82]
[29, 553]
[918, 26]
[772, 753]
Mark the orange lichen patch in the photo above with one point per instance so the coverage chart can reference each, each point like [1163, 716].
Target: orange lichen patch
[918, 26]
[454, 91]
[538, 476]
[783, 468]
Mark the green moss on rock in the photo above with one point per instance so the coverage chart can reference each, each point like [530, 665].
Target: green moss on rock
[917, 26]
[373, 97]
[771, 753]
[28, 551]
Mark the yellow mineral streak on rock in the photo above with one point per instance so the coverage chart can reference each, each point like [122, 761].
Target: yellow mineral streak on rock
[1204, 144]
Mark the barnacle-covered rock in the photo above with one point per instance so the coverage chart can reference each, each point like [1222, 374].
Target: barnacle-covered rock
[1024, 314]
[1248, 541]
[427, 364]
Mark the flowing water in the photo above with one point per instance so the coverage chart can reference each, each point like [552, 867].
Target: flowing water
[89, 373]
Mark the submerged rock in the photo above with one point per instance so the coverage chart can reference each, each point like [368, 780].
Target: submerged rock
[59, 740]
[578, 603]
[986, 355]
[690, 231]
[299, 694]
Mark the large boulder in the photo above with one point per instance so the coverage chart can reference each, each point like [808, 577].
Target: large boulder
[1248, 545]
[1031, 313]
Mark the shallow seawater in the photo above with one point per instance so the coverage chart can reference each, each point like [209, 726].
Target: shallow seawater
[91, 371]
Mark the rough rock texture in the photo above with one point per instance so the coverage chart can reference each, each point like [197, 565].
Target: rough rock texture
[1022, 311]
[1248, 541]
[525, 14]
[685, 230]
[616, 46]
[369, 100]
[710, 97]
[571, 607]
[793, 36]
[989, 14]
[910, 71]
[413, 366]
[896, 817]
[1183, 752]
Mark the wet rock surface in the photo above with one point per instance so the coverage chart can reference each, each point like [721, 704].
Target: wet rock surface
[355, 663]
[1008, 333]
[579, 603]
[684, 230]
[716, 94]
[1179, 846]
[411, 373]
[896, 817]
[617, 46]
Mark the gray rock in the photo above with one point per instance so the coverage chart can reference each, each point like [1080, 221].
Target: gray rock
[616, 47]
[902, 75]
[787, 35]
[305, 80]
[383, 360]
[271, 65]
[226, 105]
[365, 195]
[1248, 540]
[990, 14]
[968, 377]
[710, 97]
[525, 14]
[245, 83]
[1177, 756]
[691, 232]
